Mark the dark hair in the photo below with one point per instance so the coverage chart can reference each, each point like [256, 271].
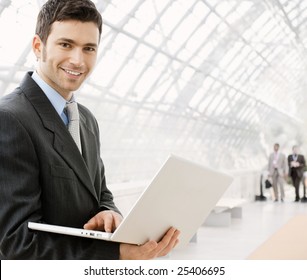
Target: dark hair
[60, 10]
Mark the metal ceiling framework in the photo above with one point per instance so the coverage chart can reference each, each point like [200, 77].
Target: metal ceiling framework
[215, 81]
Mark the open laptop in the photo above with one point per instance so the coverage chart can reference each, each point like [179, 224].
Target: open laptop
[181, 195]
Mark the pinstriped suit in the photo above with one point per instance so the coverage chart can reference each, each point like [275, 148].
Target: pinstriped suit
[43, 177]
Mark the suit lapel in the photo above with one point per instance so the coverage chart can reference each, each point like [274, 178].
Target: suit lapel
[63, 142]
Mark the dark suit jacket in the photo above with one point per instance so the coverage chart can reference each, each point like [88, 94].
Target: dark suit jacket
[44, 178]
[296, 171]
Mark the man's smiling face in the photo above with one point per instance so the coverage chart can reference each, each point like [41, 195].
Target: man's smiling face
[69, 55]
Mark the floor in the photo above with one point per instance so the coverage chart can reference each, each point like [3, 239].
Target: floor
[235, 242]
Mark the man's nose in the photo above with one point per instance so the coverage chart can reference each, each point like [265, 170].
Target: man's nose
[77, 57]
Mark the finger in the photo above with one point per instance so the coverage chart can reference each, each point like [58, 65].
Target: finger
[92, 224]
[96, 223]
[117, 220]
[166, 238]
[149, 250]
[171, 245]
[108, 222]
[152, 249]
[168, 242]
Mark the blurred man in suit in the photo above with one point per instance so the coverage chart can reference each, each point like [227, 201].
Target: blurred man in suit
[277, 168]
[296, 164]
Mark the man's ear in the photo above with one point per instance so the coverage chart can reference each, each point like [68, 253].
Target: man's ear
[37, 46]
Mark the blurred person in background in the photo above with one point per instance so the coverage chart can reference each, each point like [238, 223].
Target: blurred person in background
[277, 168]
[296, 163]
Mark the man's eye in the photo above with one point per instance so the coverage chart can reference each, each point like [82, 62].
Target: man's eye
[90, 49]
[65, 45]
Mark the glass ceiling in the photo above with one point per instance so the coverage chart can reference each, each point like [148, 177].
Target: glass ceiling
[214, 81]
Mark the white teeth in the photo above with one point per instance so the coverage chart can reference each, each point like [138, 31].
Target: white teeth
[73, 73]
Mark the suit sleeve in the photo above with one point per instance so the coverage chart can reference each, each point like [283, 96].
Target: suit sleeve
[289, 161]
[289, 166]
[303, 162]
[20, 200]
[106, 197]
[106, 201]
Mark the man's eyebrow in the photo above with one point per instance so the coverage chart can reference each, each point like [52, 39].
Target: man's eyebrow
[70, 41]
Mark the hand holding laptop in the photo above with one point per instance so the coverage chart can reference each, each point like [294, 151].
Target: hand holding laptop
[150, 249]
[109, 220]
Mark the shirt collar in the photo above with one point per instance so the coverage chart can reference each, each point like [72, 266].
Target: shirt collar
[57, 101]
[54, 97]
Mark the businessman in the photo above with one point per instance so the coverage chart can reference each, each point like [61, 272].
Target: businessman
[277, 168]
[50, 165]
[296, 164]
